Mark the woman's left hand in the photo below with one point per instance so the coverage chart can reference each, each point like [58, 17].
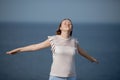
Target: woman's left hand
[95, 60]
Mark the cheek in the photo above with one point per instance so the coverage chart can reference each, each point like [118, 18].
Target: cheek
[70, 27]
[62, 26]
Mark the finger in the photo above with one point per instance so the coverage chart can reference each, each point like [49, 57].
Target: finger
[8, 53]
[97, 62]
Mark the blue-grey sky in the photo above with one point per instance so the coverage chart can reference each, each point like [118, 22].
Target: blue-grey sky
[55, 10]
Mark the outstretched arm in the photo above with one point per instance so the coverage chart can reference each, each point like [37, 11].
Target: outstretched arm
[33, 47]
[84, 54]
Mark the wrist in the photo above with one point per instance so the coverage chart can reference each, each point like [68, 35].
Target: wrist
[19, 50]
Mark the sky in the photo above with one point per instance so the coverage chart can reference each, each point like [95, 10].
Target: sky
[55, 10]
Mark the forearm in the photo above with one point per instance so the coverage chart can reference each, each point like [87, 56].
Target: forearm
[84, 54]
[33, 47]
[28, 48]
[23, 49]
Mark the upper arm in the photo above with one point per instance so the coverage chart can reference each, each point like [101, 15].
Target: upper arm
[80, 50]
[41, 45]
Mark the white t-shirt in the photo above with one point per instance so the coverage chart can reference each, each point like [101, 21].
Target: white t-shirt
[63, 56]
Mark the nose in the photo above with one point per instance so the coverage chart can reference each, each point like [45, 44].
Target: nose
[68, 24]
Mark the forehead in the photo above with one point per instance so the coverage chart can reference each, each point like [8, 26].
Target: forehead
[66, 21]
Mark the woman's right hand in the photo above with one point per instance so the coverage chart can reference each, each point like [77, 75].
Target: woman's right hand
[33, 47]
[14, 51]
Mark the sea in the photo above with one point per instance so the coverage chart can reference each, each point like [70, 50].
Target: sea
[99, 40]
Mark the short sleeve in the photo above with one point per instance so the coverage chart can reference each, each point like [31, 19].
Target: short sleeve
[51, 40]
[76, 43]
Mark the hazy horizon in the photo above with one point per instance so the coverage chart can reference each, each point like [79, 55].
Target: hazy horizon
[80, 11]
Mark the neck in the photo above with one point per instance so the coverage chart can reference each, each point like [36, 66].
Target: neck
[65, 34]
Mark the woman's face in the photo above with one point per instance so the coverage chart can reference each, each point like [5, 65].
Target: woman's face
[66, 25]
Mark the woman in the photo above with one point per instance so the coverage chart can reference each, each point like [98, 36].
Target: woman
[63, 47]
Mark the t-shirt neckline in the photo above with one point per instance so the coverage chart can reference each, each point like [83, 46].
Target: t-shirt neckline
[63, 38]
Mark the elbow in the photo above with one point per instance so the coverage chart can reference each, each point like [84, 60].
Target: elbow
[79, 53]
[35, 48]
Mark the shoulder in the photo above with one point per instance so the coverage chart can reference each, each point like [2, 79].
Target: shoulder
[75, 40]
[52, 37]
